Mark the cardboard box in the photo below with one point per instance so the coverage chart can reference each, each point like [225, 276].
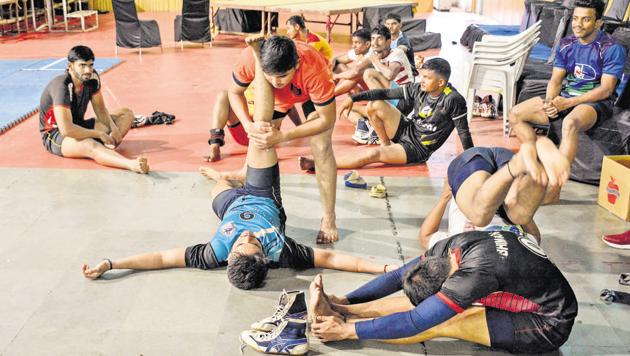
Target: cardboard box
[614, 186]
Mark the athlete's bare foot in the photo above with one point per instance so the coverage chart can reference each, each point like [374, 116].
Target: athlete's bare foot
[327, 232]
[94, 273]
[307, 164]
[556, 164]
[210, 173]
[530, 160]
[214, 154]
[215, 175]
[552, 195]
[255, 42]
[318, 302]
[141, 165]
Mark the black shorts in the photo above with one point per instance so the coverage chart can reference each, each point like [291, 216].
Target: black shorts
[52, 139]
[307, 108]
[473, 160]
[604, 109]
[526, 332]
[409, 138]
[260, 182]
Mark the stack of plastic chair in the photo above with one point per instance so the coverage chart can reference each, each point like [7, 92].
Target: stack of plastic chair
[497, 63]
[132, 32]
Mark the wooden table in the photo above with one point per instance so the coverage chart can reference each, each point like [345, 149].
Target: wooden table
[328, 8]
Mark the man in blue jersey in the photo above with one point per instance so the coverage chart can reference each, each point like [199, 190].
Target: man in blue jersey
[250, 238]
[592, 64]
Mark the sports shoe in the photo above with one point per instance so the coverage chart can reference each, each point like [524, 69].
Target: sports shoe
[618, 241]
[288, 338]
[362, 132]
[488, 108]
[291, 305]
[373, 139]
[378, 191]
[352, 179]
[138, 121]
[476, 106]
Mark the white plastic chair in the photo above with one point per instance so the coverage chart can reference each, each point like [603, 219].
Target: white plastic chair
[496, 66]
[498, 72]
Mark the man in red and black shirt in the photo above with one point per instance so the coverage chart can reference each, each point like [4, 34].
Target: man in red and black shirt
[495, 287]
[299, 75]
[62, 109]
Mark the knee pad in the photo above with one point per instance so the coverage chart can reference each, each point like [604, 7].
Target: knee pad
[238, 133]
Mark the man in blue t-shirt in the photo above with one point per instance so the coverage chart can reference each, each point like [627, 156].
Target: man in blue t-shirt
[592, 64]
[250, 238]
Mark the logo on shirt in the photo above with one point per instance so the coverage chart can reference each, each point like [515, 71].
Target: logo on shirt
[295, 90]
[584, 72]
[500, 243]
[426, 112]
[228, 229]
[532, 245]
[247, 215]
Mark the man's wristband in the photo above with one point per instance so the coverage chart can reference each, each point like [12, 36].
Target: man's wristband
[111, 266]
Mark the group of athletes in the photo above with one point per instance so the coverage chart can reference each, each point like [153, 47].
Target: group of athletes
[485, 280]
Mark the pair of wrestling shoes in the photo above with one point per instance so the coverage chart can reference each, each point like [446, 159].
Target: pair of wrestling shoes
[284, 332]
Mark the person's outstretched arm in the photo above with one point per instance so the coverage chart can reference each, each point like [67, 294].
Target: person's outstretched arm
[173, 258]
[342, 262]
[431, 223]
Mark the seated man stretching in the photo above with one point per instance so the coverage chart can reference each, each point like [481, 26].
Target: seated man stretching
[251, 235]
[62, 108]
[494, 288]
[592, 64]
[438, 108]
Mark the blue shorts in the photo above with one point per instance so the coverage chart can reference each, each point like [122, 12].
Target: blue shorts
[260, 182]
[473, 160]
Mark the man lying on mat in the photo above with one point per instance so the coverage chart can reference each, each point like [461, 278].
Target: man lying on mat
[438, 108]
[62, 109]
[250, 238]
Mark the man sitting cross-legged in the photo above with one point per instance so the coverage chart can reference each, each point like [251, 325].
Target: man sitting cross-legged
[250, 237]
[592, 64]
[438, 108]
[494, 288]
[62, 109]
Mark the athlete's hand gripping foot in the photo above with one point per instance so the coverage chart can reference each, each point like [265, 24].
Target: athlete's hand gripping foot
[327, 232]
[555, 163]
[530, 160]
[332, 328]
[94, 273]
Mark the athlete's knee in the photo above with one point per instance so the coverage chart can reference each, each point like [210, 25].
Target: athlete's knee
[571, 125]
[88, 146]
[481, 216]
[222, 98]
[375, 109]
[321, 144]
[515, 115]
[370, 74]
[374, 155]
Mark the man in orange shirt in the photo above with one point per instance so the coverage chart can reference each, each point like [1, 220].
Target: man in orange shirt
[298, 74]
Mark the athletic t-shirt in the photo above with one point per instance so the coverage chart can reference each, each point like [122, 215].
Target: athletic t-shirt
[585, 64]
[435, 118]
[261, 216]
[320, 44]
[60, 92]
[403, 40]
[312, 80]
[507, 271]
[406, 74]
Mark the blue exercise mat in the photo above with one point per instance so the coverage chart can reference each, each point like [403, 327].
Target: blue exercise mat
[23, 81]
[540, 53]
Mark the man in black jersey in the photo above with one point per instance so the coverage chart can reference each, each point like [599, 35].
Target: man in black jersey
[438, 108]
[495, 288]
[62, 108]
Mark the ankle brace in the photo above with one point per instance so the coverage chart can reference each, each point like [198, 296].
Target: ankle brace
[217, 136]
